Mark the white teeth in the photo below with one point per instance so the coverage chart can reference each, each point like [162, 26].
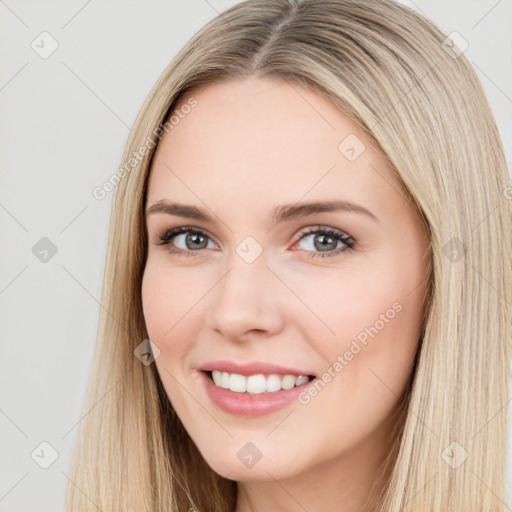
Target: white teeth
[273, 383]
[217, 377]
[288, 381]
[237, 383]
[224, 382]
[256, 384]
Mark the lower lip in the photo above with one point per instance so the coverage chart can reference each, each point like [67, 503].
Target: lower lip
[251, 405]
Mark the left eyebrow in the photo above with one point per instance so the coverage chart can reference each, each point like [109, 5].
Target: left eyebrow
[282, 213]
[295, 211]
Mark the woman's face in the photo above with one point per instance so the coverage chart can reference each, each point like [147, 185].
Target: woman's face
[297, 256]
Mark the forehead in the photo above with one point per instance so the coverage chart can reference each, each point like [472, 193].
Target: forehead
[254, 141]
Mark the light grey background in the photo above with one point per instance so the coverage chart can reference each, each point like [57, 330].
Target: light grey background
[64, 123]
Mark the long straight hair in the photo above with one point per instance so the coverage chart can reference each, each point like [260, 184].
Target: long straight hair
[421, 104]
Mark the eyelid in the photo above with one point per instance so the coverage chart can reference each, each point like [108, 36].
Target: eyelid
[178, 230]
[321, 228]
[348, 242]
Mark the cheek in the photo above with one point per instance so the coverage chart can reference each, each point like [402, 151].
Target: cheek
[155, 301]
[367, 363]
[169, 322]
[370, 324]
[173, 307]
[164, 302]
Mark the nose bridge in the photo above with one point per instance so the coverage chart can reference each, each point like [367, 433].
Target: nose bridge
[245, 297]
[246, 284]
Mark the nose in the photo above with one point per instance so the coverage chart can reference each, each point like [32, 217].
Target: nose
[248, 301]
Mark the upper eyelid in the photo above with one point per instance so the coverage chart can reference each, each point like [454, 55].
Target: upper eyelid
[180, 230]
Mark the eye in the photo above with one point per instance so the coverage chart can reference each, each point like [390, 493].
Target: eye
[190, 239]
[324, 242]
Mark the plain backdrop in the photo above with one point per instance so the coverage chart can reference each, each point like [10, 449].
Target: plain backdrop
[65, 119]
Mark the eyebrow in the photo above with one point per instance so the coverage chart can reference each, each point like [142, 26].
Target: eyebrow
[282, 213]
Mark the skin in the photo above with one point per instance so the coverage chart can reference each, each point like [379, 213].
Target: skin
[247, 147]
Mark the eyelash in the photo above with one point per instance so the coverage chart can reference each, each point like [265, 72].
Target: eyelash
[165, 238]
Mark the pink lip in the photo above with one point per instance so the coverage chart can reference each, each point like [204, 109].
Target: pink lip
[251, 405]
[251, 368]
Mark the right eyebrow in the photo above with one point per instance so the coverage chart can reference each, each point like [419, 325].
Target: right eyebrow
[178, 209]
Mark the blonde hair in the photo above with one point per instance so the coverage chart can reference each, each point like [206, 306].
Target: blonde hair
[422, 106]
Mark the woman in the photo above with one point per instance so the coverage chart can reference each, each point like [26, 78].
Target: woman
[308, 286]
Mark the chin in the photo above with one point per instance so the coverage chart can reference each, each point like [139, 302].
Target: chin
[244, 465]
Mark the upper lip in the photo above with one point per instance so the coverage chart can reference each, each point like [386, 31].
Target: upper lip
[252, 368]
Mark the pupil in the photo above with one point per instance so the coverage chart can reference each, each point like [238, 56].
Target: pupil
[195, 239]
[325, 244]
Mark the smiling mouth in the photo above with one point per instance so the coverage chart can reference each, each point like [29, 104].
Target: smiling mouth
[258, 383]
